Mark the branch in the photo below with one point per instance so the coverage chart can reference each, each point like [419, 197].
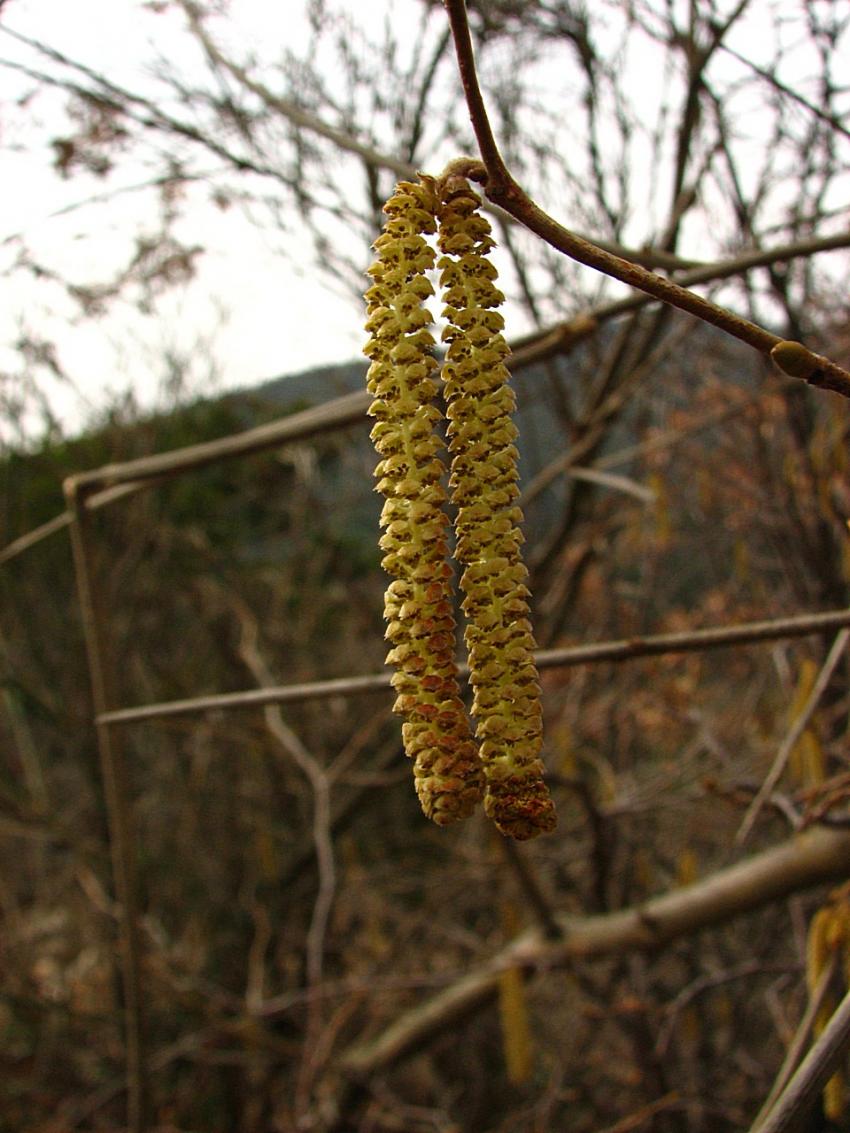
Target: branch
[319, 782]
[543, 344]
[501, 188]
[769, 77]
[810, 859]
[623, 650]
[376, 159]
[800, 1041]
[119, 809]
[793, 735]
[792, 1113]
[289, 109]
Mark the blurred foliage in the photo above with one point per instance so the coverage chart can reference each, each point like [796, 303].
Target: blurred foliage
[651, 763]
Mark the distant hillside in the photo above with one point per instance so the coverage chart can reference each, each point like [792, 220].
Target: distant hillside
[313, 386]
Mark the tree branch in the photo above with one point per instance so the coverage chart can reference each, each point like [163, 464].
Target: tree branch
[794, 733]
[792, 1112]
[501, 188]
[810, 859]
[623, 650]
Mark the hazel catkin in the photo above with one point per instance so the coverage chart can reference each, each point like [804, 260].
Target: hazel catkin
[484, 488]
[418, 603]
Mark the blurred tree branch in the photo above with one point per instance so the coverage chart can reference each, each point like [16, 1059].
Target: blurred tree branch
[503, 190]
[809, 859]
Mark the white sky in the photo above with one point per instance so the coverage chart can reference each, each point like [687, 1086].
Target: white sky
[277, 320]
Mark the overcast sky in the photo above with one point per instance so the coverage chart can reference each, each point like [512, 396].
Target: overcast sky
[251, 307]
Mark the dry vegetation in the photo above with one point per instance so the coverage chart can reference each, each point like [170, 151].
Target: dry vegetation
[234, 917]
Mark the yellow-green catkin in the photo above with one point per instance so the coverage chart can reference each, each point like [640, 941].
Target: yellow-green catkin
[483, 480]
[418, 606]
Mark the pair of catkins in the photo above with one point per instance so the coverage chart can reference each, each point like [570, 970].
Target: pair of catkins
[452, 771]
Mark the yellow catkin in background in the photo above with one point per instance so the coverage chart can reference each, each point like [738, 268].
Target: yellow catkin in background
[513, 1012]
[687, 868]
[806, 764]
[829, 941]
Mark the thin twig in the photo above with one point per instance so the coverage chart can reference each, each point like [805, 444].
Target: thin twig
[808, 859]
[319, 782]
[623, 650]
[614, 483]
[801, 1039]
[769, 75]
[122, 98]
[288, 109]
[641, 1116]
[501, 188]
[698, 987]
[792, 1112]
[119, 814]
[531, 888]
[345, 141]
[793, 735]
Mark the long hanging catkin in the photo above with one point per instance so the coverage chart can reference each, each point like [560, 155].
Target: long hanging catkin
[484, 490]
[420, 623]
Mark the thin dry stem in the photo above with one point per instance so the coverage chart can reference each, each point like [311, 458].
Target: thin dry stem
[318, 779]
[622, 650]
[792, 1112]
[119, 813]
[503, 190]
[801, 1039]
[793, 735]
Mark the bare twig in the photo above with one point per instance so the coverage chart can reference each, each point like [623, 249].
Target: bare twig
[345, 141]
[119, 813]
[290, 110]
[793, 735]
[614, 483]
[641, 1116]
[769, 75]
[809, 859]
[696, 988]
[801, 1039]
[503, 190]
[531, 888]
[792, 1112]
[319, 782]
[632, 647]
